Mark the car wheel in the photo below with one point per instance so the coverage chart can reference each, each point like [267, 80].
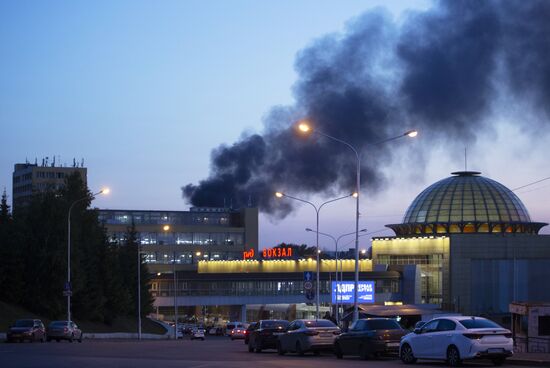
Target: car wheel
[57, 340]
[498, 361]
[258, 350]
[33, 338]
[407, 355]
[48, 339]
[71, 338]
[299, 350]
[363, 352]
[43, 339]
[316, 352]
[338, 351]
[280, 350]
[453, 357]
[80, 338]
[250, 348]
[202, 338]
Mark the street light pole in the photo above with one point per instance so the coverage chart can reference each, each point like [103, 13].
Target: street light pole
[306, 128]
[336, 240]
[139, 289]
[317, 210]
[68, 288]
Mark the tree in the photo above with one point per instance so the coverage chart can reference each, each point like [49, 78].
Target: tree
[5, 215]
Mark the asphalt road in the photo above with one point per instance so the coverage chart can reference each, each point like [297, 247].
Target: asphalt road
[214, 352]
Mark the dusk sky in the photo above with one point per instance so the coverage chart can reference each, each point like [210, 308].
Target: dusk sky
[143, 91]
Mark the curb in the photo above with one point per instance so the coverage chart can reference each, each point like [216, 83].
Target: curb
[528, 362]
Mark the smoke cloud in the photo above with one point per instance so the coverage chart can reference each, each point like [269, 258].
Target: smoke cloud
[439, 72]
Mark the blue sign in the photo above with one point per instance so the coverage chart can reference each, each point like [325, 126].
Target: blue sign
[343, 290]
[308, 276]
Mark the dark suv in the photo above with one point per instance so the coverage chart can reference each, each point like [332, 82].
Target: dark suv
[27, 329]
[265, 335]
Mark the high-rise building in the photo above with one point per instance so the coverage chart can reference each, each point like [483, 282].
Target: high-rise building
[32, 178]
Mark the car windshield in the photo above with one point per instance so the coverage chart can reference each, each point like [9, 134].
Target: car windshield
[478, 323]
[275, 324]
[319, 323]
[24, 323]
[58, 323]
[383, 324]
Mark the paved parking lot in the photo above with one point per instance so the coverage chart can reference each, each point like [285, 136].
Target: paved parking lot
[214, 352]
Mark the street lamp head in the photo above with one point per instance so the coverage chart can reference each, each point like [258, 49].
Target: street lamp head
[105, 191]
[304, 127]
[355, 194]
[166, 227]
[363, 251]
[279, 195]
[198, 254]
[308, 229]
[411, 133]
[362, 230]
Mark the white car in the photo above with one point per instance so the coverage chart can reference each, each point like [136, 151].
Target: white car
[457, 338]
[197, 333]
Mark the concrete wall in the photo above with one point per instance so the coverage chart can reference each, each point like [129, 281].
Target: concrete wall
[478, 262]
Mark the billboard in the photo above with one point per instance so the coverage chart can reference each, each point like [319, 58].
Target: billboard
[344, 291]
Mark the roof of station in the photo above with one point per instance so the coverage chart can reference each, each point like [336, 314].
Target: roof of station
[466, 202]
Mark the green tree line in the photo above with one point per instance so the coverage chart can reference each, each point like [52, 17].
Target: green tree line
[33, 259]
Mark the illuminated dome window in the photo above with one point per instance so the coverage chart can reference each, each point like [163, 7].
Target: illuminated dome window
[466, 203]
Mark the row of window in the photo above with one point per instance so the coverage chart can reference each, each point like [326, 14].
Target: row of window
[167, 218]
[192, 239]
[49, 175]
[252, 288]
[189, 257]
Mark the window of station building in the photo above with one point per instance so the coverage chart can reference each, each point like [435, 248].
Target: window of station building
[184, 238]
[122, 218]
[201, 239]
[148, 238]
[217, 238]
[234, 239]
[165, 238]
[150, 257]
[544, 325]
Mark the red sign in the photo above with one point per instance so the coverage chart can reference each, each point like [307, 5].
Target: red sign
[277, 253]
[248, 254]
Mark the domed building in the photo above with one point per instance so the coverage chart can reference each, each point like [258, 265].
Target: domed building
[475, 243]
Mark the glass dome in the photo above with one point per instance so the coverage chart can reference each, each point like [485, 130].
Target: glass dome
[466, 203]
[466, 197]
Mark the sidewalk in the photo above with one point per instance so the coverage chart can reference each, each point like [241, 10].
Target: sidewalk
[530, 359]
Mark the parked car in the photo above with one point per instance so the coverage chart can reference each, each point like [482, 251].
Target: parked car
[197, 334]
[266, 335]
[63, 330]
[248, 331]
[303, 335]
[419, 324]
[370, 337]
[26, 329]
[232, 325]
[238, 333]
[457, 338]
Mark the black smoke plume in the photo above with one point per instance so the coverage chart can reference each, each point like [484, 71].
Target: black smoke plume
[439, 71]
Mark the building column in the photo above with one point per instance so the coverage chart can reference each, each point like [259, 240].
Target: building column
[243, 313]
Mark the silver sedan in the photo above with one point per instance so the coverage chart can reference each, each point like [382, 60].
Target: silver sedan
[63, 330]
[303, 335]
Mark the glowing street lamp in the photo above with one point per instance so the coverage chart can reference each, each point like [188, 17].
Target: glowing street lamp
[317, 210]
[305, 127]
[68, 288]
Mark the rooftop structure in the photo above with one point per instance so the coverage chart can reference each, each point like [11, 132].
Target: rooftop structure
[466, 203]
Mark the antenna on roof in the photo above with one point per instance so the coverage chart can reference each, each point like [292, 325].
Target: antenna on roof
[249, 200]
[82, 163]
[53, 162]
[465, 159]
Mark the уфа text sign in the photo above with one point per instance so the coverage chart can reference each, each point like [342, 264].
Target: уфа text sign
[344, 291]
